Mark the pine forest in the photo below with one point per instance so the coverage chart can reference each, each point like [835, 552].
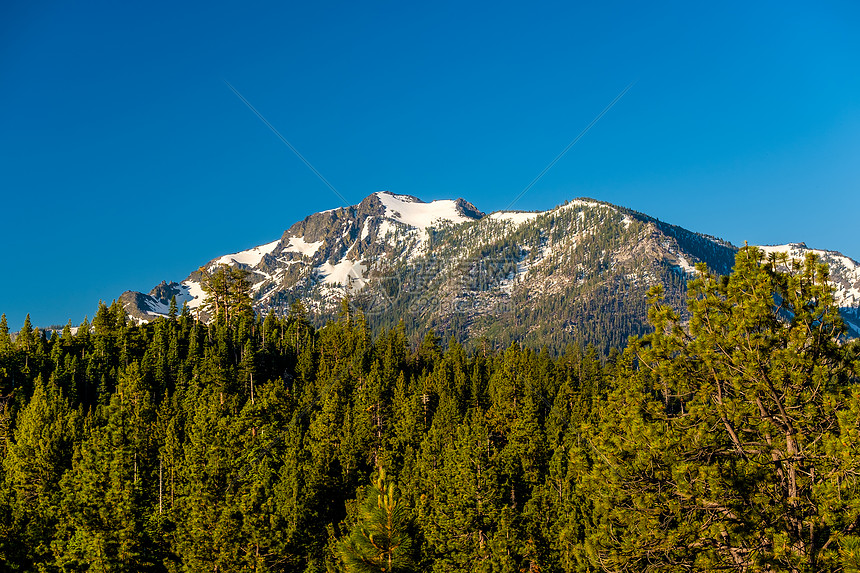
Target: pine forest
[726, 438]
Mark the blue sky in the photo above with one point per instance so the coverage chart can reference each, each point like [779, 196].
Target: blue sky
[125, 159]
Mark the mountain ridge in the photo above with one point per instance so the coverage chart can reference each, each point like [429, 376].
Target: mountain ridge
[446, 265]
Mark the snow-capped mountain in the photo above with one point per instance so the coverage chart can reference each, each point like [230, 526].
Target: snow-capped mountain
[326, 254]
[577, 271]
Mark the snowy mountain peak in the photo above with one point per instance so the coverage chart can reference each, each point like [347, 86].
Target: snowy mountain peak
[398, 197]
[416, 213]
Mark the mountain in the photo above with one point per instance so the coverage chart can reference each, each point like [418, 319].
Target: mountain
[579, 272]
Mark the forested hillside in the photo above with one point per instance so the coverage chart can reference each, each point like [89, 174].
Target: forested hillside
[728, 440]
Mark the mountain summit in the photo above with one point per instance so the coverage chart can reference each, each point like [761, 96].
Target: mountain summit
[579, 271]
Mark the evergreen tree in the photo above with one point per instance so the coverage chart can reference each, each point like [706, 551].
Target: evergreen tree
[25, 339]
[463, 505]
[379, 542]
[729, 446]
[172, 309]
[35, 463]
[227, 292]
[725, 440]
[5, 340]
[105, 509]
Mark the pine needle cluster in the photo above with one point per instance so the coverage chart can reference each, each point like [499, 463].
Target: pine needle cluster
[379, 542]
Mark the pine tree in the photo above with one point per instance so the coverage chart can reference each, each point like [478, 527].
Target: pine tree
[227, 292]
[730, 445]
[172, 309]
[379, 542]
[464, 499]
[36, 461]
[106, 492]
[24, 340]
[5, 340]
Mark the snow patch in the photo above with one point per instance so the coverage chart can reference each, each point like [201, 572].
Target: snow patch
[299, 245]
[156, 306]
[344, 273]
[626, 221]
[582, 203]
[516, 218]
[386, 228]
[194, 292]
[685, 265]
[251, 257]
[420, 215]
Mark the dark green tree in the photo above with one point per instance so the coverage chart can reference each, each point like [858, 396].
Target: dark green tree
[5, 340]
[25, 339]
[105, 505]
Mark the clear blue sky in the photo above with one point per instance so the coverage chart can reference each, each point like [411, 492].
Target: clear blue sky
[125, 159]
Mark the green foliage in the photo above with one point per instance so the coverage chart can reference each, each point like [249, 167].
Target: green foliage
[727, 439]
[379, 541]
[37, 458]
[730, 443]
[227, 293]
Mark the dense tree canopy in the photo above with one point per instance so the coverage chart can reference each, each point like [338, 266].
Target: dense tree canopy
[728, 441]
